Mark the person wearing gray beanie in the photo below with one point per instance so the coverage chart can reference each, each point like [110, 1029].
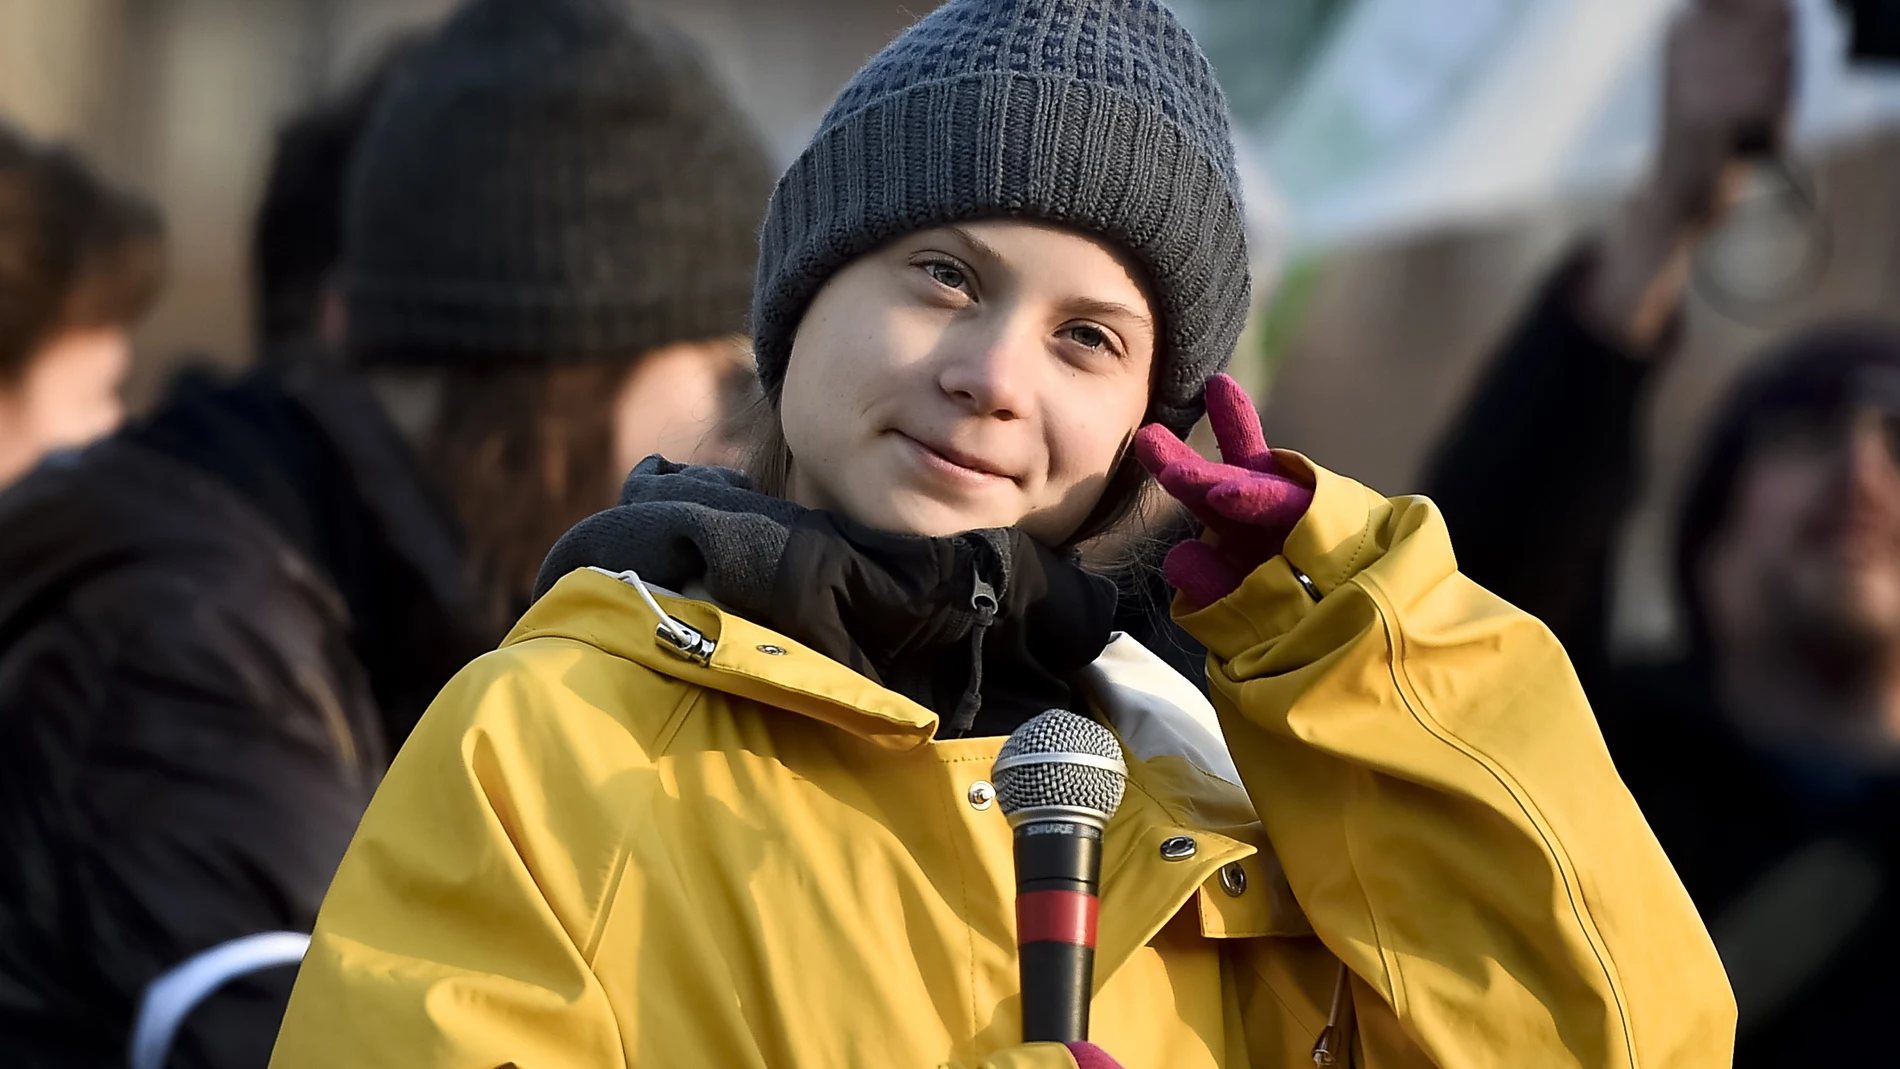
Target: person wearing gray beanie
[1101, 120]
[550, 238]
[724, 796]
[1102, 115]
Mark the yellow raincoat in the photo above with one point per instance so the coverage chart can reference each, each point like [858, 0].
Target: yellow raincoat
[596, 852]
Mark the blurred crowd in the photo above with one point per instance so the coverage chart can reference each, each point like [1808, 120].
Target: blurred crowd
[512, 260]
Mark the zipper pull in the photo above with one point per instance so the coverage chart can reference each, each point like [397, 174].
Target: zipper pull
[982, 597]
[983, 602]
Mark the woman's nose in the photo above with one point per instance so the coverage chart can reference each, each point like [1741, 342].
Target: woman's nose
[989, 373]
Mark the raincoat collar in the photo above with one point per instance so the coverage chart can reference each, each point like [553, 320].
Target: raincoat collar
[985, 627]
[1156, 712]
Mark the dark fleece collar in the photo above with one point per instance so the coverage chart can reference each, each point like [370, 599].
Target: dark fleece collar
[985, 627]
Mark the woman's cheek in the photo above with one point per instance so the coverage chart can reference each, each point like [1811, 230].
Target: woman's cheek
[1077, 453]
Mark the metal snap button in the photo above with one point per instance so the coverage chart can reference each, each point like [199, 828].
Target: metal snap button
[1178, 848]
[982, 795]
[1233, 879]
[774, 651]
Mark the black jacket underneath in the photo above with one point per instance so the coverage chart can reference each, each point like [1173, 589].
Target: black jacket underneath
[214, 629]
[1795, 871]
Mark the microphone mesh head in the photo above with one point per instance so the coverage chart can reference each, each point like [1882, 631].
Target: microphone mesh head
[1056, 782]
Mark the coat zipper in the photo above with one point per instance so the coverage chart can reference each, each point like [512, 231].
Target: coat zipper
[982, 602]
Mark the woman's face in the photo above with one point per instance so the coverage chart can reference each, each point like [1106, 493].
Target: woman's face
[67, 396]
[987, 374]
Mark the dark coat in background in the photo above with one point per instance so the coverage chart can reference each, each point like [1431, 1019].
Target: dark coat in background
[1796, 871]
[215, 628]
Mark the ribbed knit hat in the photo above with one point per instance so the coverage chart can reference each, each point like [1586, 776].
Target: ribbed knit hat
[1102, 115]
[551, 180]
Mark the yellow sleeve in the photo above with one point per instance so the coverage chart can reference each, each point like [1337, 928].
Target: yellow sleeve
[456, 934]
[1435, 784]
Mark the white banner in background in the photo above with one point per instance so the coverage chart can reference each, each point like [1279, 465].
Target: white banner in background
[1417, 113]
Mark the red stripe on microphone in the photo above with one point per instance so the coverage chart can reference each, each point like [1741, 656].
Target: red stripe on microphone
[1056, 917]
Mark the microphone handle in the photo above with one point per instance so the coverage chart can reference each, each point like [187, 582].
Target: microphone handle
[1050, 972]
[1058, 869]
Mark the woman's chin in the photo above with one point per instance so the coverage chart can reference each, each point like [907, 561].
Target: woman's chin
[902, 512]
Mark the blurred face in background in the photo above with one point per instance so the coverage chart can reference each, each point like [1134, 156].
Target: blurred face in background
[679, 400]
[983, 375]
[66, 394]
[1810, 554]
[527, 449]
[79, 263]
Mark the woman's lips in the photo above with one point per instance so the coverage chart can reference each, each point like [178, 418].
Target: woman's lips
[949, 462]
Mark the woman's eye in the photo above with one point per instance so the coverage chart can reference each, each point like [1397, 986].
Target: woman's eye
[948, 275]
[1089, 337]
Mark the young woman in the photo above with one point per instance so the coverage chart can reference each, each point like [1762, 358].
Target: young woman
[719, 799]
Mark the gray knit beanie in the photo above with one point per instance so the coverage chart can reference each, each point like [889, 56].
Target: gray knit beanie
[1103, 115]
[551, 180]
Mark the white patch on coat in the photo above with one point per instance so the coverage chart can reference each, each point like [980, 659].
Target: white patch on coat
[1155, 710]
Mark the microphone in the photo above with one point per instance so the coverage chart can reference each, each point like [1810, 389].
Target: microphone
[1058, 779]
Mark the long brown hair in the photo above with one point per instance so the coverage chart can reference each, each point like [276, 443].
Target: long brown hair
[523, 453]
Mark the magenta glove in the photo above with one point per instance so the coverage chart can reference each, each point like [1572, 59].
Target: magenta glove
[1248, 504]
[1090, 1056]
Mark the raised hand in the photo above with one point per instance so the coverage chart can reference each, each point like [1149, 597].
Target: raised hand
[1248, 504]
[1728, 89]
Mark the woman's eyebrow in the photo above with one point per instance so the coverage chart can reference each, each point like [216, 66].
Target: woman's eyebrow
[977, 246]
[1083, 306]
[1101, 309]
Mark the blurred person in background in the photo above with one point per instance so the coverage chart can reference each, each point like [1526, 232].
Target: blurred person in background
[547, 269]
[216, 626]
[80, 262]
[297, 232]
[1767, 758]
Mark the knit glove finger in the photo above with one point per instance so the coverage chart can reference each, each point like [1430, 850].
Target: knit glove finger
[1246, 502]
[1183, 473]
[1090, 1056]
[1200, 572]
[1236, 426]
[1191, 479]
[1261, 501]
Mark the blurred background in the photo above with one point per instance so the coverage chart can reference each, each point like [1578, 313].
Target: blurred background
[1429, 159]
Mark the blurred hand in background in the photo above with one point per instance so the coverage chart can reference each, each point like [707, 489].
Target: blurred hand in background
[1727, 92]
